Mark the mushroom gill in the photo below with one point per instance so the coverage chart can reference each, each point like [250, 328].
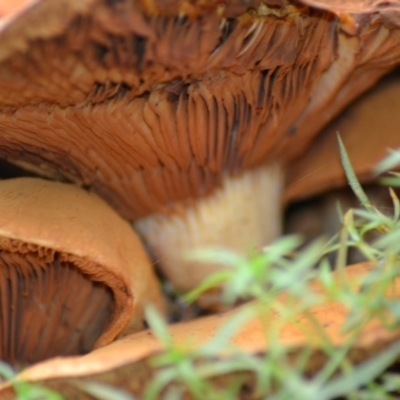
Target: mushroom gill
[175, 114]
[48, 307]
[73, 275]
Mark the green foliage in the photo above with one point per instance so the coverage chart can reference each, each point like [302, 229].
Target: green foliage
[102, 391]
[26, 391]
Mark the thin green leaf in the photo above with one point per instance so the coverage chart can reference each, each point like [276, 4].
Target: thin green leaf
[363, 374]
[388, 163]
[102, 391]
[351, 176]
[158, 325]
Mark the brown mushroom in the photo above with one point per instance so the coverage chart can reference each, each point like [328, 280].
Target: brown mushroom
[130, 353]
[73, 274]
[180, 114]
[369, 129]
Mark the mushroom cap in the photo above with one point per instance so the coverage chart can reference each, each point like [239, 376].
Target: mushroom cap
[12, 9]
[150, 104]
[369, 128]
[354, 6]
[251, 338]
[67, 260]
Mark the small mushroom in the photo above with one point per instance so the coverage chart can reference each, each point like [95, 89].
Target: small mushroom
[181, 114]
[73, 273]
[131, 352]
[369, 128]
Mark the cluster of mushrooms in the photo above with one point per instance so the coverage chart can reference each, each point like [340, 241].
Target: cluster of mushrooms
[178, 120]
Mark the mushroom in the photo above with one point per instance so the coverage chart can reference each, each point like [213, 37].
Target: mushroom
[73, 276]
[369, 128]
[129, 356]
[181, 114]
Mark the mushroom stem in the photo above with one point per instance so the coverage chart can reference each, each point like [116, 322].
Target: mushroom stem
[243, 214]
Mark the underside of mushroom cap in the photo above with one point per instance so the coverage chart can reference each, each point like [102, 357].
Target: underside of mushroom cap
[158, 104]
[73, 273]
[48, 306]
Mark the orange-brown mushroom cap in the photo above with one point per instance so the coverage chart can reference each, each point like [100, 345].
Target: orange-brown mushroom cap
[73, 273]
[369, 128]
[149, 106]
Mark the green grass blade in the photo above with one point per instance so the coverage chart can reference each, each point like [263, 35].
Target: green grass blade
[389, 162]
[351, 176]
[101, 391]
